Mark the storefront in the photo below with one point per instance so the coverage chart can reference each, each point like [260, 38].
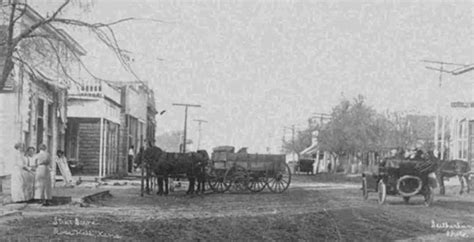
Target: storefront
[462, 131]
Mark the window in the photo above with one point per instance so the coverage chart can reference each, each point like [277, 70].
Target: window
[463, 140]
[39, 123]
[27, 140]
[40, 109]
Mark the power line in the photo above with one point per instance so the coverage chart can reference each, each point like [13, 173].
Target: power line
[443, 63]
[442, 70]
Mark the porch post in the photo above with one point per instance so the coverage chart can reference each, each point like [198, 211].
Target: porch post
[104, 159]
[54, 143]
[101, 144]
[316, 168]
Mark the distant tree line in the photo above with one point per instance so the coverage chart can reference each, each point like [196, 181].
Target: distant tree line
[356, 128]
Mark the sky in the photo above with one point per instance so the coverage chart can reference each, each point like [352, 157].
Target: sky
[256, 67]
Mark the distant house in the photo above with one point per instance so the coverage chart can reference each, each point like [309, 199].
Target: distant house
[314, 152]
[321, 157]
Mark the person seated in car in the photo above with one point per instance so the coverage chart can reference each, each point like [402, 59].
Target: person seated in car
[418, 154]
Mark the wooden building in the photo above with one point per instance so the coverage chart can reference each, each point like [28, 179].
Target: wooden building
[33, 103]
[93, 127]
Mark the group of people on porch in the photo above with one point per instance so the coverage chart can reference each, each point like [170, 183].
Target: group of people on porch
[31, 179]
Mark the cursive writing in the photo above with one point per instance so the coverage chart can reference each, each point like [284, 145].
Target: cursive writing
[453, 230]
[456, 234]
[446, 225]
[81, 232]
[72, 222]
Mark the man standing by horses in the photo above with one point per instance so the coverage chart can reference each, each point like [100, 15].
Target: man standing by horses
[131, 154]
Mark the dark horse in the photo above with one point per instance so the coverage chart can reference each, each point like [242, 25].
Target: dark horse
[166, 164]
[452, 168]
[140, 157]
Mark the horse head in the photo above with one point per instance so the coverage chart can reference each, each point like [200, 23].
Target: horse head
[203, 157]
[152, 154]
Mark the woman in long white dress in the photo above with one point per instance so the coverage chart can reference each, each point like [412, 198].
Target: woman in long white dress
[31, 165]
[43, 176]
[21, 177]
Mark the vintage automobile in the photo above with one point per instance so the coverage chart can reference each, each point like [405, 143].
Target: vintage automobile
[306, 166]
[402, 177]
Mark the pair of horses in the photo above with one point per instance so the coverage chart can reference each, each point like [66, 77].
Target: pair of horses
[446, 169]
[166, 165]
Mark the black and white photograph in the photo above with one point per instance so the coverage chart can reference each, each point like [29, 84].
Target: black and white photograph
[236, 120]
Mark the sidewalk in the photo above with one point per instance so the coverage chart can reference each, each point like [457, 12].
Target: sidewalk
[79, 194]
[12, 209]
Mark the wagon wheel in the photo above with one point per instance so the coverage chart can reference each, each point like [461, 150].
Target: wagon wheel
[429, 196]
[257, 182]
[382, 189]
[237, 177]
[365, 192]
[406, 199]
[279, 180]
[217, 182]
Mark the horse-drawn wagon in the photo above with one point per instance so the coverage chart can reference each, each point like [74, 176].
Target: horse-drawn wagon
[402, 177]
[243, 171]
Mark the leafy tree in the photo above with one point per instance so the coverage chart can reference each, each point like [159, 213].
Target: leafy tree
[354, 127]
[407, 130]
[302, 141]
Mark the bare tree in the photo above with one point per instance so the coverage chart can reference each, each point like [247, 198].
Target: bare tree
[15, 36]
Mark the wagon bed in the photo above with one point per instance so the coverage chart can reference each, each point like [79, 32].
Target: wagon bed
[252, 172]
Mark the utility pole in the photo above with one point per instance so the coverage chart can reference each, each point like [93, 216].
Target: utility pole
[185, 120]
[283, 141]
[199, 137]
[293, 140]
[293, 131]
[441, 70]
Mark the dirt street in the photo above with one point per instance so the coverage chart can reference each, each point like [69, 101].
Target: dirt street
[313, 209]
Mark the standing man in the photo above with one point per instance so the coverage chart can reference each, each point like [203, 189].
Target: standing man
[43, 176]
[131, 154]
